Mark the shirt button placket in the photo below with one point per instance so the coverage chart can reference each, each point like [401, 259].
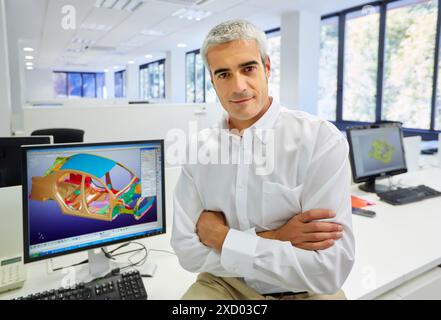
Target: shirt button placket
[241, 185]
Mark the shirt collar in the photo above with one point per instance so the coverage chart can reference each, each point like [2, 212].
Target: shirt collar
[260, 126]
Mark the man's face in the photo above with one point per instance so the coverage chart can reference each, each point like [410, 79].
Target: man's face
[240, 78]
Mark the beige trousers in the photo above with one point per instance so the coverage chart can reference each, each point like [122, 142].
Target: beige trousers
[210, 287]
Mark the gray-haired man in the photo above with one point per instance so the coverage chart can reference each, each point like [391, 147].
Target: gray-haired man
[283, 234]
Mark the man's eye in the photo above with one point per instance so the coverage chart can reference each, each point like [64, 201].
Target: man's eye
[222, 75]
[249, 68]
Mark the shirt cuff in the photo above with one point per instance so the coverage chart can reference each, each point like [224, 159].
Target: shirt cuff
[238, 251]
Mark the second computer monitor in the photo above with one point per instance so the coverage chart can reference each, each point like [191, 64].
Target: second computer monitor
[10, 157]
[376, 151]
[82, 196]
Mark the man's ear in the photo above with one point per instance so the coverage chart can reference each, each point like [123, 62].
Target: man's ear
[267, 67]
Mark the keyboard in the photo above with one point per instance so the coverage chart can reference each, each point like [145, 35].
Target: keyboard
[429, 151]
[115, 286]
[408, 195]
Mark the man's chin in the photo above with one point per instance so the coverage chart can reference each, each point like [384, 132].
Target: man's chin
[243, 116]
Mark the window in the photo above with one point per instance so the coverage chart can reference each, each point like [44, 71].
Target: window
[89, 88]
[360, 65]
[438, 103]
[152, 80]
[74, 87]
[409, 62]
[327, 103]
[274, 38]
[60, 84]
[100, 86]
[381, 62]
[120, 84]
[198, 82]
[190, 83]
[78, 84]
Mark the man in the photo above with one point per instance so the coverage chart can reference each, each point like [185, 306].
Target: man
[281, 233]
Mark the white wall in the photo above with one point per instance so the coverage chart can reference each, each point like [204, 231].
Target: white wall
[39, 85]
[18, 35]
[132, 82]
[299, 60]
[175, 76]
[123, 122]
[5, 102]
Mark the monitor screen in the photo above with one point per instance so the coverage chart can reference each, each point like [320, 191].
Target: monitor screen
[83, 196]
[376, 150]
[10, 157]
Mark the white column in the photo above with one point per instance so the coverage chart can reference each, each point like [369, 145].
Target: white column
[5, 84]
[109, 79]
[16, 71]
[132, 85]
[299, 60]
[175, 76]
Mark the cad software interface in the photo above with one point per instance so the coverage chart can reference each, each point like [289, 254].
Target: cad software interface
[81, 196]
[377, 150]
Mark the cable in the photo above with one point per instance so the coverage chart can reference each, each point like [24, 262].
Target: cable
[139, 262]
[73, 265]
[111, 256]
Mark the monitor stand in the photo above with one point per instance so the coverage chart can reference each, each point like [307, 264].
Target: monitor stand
[371, 186]
[99, 264]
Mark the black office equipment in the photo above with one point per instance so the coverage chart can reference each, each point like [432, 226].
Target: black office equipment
[363, 212]
[408, 195]
[10, 157]
[139, 102]
[376, 151]
[114, 286]
[429, 151]
[61, 135]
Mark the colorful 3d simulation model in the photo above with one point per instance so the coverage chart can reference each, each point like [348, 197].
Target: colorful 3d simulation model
[382, 151]
[76, 184]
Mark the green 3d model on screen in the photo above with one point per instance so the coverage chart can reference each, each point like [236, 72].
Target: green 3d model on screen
[382, 151]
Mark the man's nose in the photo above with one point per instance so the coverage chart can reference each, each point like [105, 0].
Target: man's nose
[239, 84]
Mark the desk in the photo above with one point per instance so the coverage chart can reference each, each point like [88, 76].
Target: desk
[169, 282]
[400, 243]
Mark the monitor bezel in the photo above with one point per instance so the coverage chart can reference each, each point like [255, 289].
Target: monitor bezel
[358, 179]
[26, 257]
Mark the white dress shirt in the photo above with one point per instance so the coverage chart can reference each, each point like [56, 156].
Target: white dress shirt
[310, 171]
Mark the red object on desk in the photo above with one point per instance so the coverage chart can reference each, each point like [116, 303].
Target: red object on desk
[360, 203]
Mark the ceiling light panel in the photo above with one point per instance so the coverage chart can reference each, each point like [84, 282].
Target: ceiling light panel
[153, 33]
[128, 5]
[95, 27]
[192, 14]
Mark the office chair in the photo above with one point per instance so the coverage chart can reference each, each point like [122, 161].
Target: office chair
[61, 135]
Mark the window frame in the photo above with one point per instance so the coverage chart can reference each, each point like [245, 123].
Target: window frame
[427, 134]
[195, 53]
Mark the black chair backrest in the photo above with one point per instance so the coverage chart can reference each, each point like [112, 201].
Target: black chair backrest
[61, 135]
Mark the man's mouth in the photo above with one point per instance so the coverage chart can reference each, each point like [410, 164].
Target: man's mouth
[241, 100]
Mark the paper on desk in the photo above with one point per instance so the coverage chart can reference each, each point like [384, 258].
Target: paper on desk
[360, 203]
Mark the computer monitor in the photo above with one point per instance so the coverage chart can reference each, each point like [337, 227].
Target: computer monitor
[376, 151]
[83, 196]
[10, 157]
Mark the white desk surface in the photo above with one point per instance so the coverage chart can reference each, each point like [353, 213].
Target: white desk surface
[400, 243]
